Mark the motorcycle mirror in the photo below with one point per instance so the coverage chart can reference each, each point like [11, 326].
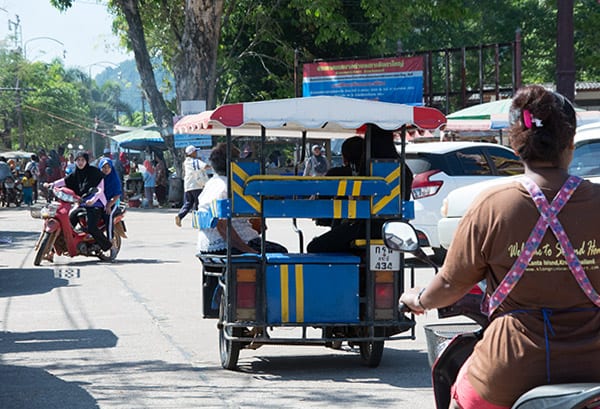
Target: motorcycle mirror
[401, 236]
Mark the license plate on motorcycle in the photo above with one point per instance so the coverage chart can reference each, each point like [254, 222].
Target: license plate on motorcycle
[382, 258]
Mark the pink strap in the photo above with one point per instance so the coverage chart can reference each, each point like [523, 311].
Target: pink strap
[547, 219]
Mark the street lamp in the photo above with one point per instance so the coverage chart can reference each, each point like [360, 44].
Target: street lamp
[100, 64]
[42, 38]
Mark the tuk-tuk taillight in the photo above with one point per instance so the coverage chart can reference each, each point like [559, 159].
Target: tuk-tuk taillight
[384, 294]
[246, 294]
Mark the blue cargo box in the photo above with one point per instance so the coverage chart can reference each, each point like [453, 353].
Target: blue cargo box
[312, 288]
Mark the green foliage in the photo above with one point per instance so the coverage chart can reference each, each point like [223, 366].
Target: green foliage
[58, 105]
[260, 38]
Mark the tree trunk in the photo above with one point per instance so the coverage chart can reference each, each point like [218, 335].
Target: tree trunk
[195, 73]
[162, 115]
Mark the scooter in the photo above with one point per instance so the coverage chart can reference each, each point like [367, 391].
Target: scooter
[58, 236]
[12, 192]
[452, 354]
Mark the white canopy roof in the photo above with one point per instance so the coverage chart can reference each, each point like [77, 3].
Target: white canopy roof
[326, 116]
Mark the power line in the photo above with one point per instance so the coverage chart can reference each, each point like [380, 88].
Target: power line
[51, 115]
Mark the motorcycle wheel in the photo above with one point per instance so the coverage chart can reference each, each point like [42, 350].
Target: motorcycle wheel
[44, 248]
[108, 255]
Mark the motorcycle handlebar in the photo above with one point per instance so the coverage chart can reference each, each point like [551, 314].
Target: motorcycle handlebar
[403, 308]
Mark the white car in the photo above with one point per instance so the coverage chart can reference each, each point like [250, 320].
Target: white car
[586, 163]
[440, 167]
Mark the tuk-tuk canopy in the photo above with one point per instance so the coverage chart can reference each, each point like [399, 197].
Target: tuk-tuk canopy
[327, 116]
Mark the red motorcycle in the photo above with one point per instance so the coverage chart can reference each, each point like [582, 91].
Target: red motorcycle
[59, 237]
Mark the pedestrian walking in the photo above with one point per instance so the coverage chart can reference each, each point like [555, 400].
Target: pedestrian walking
[149, 182]
[194, 179]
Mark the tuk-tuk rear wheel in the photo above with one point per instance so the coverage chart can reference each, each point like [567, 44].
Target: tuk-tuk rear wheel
[229, 350]
[371, 352]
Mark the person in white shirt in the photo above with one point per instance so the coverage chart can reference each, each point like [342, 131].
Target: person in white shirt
[244, 238]
[194, 179]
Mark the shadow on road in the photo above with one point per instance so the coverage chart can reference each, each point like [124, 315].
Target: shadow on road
[33, 388]
[27, 281]
[92, 261]
[56, 340]
[18, 239]
[413, 373]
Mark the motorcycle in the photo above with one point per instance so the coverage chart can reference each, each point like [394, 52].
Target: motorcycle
[452, 353]
[12, 192]
[59, 237]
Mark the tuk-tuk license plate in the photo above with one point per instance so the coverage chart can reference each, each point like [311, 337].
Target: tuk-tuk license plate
[382, 258]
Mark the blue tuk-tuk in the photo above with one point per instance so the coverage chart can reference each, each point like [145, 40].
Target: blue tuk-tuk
[318, 298]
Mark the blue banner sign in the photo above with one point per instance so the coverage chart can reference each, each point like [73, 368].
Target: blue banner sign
[397, 80]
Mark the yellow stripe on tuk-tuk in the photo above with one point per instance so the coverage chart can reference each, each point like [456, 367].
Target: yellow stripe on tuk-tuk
[285, 292]
[238, 189]
[285, 296]
[299, 293]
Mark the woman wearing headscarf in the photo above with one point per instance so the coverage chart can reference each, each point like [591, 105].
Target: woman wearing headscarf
[149, 182]
[112, 192]
[81, 181]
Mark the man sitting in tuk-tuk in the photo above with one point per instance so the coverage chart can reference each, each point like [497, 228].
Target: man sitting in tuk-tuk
[244, 238]
[341, 235]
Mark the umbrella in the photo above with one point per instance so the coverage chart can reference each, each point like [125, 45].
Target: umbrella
[140, 139]
[494, 115]
[480, 117]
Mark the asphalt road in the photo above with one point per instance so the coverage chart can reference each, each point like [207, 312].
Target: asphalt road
[85, 334]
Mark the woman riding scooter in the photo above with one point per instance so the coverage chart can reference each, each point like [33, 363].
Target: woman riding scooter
[540, 263]
[84, 179]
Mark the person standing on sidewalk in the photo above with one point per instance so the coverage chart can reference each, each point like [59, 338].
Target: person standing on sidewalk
[316, 164]
[194, 179]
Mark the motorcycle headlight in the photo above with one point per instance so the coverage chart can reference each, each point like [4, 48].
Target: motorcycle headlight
[49, 211]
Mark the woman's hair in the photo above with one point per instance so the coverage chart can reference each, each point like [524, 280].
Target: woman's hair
[543, 124]
[352, 151]
[218, 158]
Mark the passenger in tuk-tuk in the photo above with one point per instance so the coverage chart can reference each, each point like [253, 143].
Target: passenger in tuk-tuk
[352, 152]
[341, 236]
[244, 238]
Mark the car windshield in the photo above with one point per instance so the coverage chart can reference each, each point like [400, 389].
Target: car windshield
[586, 160]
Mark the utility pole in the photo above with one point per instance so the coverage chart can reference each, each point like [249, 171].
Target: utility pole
[20, 117]
[19, 109]
[565, 50]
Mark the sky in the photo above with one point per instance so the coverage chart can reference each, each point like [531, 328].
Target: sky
[84, 29]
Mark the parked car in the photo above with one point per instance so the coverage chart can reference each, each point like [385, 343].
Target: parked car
[585, 163]
[440, 167]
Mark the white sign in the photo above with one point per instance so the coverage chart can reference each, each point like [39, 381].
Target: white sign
[384, 259]
[193, 106]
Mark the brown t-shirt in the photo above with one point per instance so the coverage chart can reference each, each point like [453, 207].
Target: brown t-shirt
[511, 357]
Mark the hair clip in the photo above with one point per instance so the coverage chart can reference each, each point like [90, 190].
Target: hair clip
[529, 120]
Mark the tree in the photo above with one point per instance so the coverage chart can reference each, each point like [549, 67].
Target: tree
[48, 100]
